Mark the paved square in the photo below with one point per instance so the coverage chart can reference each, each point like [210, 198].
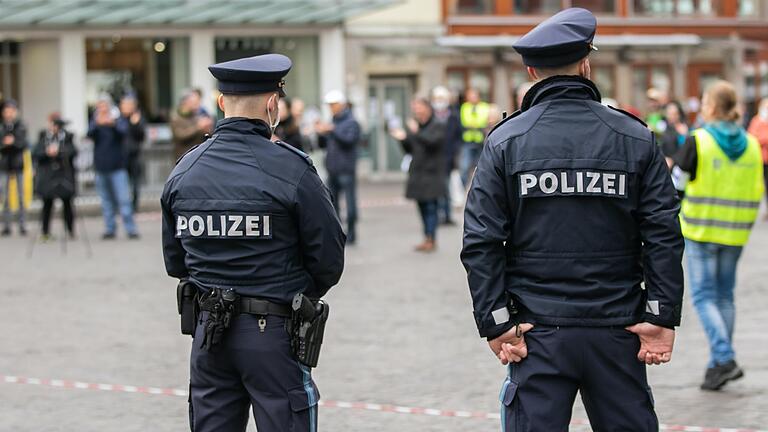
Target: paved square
[401, 333]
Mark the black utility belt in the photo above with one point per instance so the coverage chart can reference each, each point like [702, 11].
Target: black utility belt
[254, 306]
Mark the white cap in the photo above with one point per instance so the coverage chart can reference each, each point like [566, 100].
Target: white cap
[441, 92]
[335, 96]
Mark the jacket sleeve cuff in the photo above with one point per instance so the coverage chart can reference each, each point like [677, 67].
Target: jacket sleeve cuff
[491, 333]
[668, 317]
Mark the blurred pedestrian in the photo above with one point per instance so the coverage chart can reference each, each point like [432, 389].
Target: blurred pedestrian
[288, 130]
[110, 162]
[340, 139]
[758, 127]
[54, 156]
[656, 101]
[189, 124]
[672, 139]
[720, 206]
[424, 139]
[448, 116]
[475, 119]
[13, 134]
[132, 122]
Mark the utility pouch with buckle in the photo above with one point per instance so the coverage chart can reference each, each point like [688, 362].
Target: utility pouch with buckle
[306, 328]
[186, 304]
[220, 305]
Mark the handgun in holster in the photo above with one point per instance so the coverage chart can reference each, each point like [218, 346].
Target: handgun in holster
[186, 303]
[306, 327]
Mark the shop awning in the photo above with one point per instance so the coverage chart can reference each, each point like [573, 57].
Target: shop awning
[141, 13]
[626, 40]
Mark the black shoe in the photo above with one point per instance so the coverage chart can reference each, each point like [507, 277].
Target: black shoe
[108, 236]
[22, 232]
[716, 377]
[448, 222]
[6, 232]
[133, 236]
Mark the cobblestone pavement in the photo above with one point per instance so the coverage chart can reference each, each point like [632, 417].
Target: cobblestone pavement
[401, 333]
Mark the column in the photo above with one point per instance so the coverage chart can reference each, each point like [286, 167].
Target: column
[501, 91]
[332, 60]
[202, 53]
[72, 81]
[40, 90]
[680, 74]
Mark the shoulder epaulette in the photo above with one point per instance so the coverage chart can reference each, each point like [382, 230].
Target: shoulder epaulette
[629, 114]
[191, 149]
[504, 120]
[295, 151]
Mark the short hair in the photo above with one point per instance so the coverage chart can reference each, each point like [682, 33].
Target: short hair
[568, 69]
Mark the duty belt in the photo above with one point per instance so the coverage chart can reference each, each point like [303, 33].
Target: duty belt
[256, 306]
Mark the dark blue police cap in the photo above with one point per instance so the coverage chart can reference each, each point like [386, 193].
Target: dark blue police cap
[562, 39]
[252, 75]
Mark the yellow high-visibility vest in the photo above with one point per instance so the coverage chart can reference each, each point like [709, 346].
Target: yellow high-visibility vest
[721, 203]
[474, 119]
[14, 183]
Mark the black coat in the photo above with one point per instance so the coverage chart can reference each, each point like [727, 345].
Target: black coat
[12, 156]
[426, 175]
[55, 176]
[243, 212]
[571, 209]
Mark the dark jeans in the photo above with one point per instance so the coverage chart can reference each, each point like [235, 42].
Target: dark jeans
[69, 215]
[444, 203]
[428, 210]
[539, 392]
[346, 184]
[135, 171]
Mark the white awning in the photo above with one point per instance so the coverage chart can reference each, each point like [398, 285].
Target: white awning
[625, 40]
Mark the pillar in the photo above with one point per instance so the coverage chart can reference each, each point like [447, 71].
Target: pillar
[332, 61]
[72, 81]
[202, 53]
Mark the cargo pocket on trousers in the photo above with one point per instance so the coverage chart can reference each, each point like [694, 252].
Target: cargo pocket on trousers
[303, 397]
[509, 408]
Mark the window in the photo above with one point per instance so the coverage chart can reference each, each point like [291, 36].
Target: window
[677, 7]
[596, 6]
[472, 7]
[9, 70]
[525, 7]
[749, 8]
[460, 79]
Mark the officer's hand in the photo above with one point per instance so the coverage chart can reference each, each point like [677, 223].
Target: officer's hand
[656, 343]
[510, 348]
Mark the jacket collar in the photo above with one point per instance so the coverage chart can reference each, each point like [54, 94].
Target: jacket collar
[242, 125]
[561, 87]
[342, 115]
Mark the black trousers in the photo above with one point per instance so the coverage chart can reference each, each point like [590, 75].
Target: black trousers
[599, 362]
[255, 370]
[69, 215]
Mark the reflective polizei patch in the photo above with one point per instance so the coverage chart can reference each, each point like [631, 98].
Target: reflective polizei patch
[500, 316]
[652, 307]
[224, 225]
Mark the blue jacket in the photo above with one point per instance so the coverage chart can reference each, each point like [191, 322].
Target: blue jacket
[243, 212]
[108, 152]
[341, 144]
[570, 211]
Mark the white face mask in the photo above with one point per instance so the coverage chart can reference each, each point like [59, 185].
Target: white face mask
[440, 105]
[763, 114]
[269, 114]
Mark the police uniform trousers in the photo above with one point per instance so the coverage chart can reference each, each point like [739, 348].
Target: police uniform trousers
[599, 362]
[250, 368]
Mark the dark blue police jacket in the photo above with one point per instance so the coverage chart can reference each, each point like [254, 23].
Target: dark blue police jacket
[243, 212]
[570, 211]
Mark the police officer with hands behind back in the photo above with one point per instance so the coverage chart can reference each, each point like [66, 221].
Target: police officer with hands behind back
[571, 209]
[249, 227]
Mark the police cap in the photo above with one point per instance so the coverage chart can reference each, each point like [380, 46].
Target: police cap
[252, 75]
[560, 40]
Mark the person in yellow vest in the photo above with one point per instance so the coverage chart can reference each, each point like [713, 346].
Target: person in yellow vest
[13, 148]
[474, 115]
[720, 206]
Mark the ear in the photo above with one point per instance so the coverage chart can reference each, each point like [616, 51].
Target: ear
[532, 73]
[220, 102]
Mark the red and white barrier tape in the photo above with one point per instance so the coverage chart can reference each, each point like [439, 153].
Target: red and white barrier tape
[362, 406]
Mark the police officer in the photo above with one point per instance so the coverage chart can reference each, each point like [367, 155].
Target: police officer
[247, 217]
[571, 209]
